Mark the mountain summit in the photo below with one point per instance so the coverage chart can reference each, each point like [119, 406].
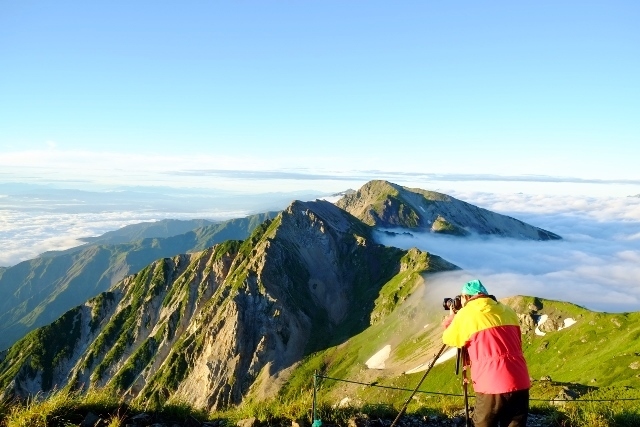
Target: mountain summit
[387, 205]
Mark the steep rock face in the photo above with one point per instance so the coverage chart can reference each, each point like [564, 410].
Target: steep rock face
[212, 326]
[383, 204]
[36, 292]
[320, 238]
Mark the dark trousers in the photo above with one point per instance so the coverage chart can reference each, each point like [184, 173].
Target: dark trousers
[504, 410]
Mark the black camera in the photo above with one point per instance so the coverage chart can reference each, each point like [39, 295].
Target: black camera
[455, 303]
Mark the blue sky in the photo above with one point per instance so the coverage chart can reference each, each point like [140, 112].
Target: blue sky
[173, 93]
[530, 109]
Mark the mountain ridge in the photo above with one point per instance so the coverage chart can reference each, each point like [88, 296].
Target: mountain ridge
[139, 231]
[35, 292]
[387, 205]
[250, 319]
[258, 300]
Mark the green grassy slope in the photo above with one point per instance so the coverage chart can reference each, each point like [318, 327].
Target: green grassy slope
[36, 292]
[600, 351]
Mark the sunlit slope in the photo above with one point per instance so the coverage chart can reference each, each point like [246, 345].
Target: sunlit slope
[566, 347]
[600, 349]
[227, 323]
[139, 231]
[387, 205]
[36, 292]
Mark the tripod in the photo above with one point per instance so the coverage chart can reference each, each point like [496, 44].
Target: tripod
[463, 356]
[404, 408]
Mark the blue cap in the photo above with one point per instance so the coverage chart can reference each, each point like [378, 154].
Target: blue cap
[474, 287]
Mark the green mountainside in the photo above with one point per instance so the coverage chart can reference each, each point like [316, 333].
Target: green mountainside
[232, 321]
[134, 232]
[144, 230]
[387, 205]
[599, 350]
[34, 293]
[249, 320]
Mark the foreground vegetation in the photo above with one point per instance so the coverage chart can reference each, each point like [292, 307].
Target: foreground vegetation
[599, 408]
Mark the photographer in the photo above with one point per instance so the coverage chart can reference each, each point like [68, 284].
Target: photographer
[490, 333]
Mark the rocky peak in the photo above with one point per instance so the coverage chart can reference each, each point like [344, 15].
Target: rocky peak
[386, 205]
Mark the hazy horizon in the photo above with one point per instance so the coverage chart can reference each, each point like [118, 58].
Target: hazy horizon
[257, 94]
[597, 264]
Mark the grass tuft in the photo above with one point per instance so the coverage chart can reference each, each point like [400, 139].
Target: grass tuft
[607, 407]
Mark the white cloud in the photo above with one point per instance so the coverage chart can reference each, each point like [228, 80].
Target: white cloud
[242, 173]
[596, 264]
[26, 233]
[36, 219]
[283, 171]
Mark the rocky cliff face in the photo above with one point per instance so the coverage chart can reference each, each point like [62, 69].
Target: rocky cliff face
[217, 325]
[387, 205]
[36, 292]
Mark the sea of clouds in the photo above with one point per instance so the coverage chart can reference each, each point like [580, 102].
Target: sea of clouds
[596, 264]
[35, 219]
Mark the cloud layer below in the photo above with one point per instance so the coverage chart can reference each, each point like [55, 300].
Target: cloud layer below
[36, 219]
[596, 265]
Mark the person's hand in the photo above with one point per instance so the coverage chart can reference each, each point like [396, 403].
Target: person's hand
[447, 320]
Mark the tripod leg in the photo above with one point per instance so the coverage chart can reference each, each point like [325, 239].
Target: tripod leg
[465, 384]
[466, 406]
[404, 408]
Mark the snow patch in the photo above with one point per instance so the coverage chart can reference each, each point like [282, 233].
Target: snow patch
[449, 354]
[567, 322]
[541, 320]
[377, 360]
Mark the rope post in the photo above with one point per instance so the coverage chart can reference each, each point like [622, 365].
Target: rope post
[316, 421]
